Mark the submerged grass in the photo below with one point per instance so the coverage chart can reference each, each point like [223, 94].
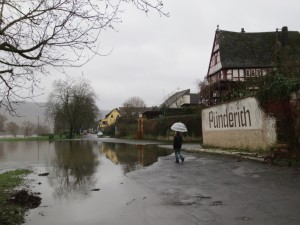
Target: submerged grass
[38, 138]
[25, 139]
[11, 214]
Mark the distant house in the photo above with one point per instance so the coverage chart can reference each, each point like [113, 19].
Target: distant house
[181, 99]
[242, 56]
[109, 119]
[131, 111]
[151, 114]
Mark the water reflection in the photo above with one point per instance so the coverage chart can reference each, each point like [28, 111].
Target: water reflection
[132, 157]
[74, 166]
[23, 154]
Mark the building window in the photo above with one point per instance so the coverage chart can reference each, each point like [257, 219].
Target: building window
[229, 74]
[258, 73]
[241, 73]
[235, 73]
[111, 116]
[222, 75]
[247, 73]
[252, 73]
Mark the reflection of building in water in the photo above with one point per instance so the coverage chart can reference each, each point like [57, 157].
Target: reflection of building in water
[132, 157]
[110, 154]
[140, 154]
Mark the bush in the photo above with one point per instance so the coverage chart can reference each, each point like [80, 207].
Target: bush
[51, 136]
[109, 131]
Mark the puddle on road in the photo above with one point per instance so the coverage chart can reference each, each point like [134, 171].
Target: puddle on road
[74, 154]
[86, 181]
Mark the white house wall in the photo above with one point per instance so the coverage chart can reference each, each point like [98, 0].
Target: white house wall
[238, 124]
[215, 66]
[185, 99]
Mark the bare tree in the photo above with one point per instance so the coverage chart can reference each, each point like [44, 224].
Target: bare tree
[36, 35]
[132, 106]
[28, 128]
[134, 101]
[72, 105]
[204, 92]
[12, 128]
[2, 122]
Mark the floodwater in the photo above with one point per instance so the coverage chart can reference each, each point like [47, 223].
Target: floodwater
[87, 181]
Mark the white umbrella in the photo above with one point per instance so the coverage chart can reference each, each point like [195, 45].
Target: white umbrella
[179, 127]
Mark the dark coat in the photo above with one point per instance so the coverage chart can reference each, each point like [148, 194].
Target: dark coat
[177, 141]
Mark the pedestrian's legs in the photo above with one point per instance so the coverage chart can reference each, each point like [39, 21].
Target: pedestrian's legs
[177, 155]
[180, 155]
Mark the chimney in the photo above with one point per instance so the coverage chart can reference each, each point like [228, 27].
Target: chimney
[242, 30]
[284, 32]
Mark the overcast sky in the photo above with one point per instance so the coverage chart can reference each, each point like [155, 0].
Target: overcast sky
[153, 56]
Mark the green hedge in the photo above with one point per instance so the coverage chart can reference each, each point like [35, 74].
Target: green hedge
[161, 127]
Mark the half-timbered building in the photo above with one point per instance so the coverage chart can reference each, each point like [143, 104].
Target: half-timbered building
[241, 56]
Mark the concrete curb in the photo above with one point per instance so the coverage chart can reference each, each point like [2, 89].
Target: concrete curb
[195, 148]
[238, 154]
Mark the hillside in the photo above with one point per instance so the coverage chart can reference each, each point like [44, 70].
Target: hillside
[35, 113]
[29, 111]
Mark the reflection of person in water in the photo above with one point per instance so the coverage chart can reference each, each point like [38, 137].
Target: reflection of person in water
[177, 147]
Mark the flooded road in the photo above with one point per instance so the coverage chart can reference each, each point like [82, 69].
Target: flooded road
[125, 182]
[78, 153]
[87, 181]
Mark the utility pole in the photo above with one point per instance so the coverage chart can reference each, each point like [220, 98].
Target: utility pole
[38, 128]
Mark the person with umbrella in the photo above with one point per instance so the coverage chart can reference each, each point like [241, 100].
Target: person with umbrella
[177, 142]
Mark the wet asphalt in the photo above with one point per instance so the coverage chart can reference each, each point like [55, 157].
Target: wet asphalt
[217, 190]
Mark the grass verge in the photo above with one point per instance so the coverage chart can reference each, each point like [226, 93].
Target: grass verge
[11, 214]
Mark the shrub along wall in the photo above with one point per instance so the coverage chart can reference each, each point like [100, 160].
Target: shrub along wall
[278, 96]
[295, 103]
[160, 129]
[126, 127]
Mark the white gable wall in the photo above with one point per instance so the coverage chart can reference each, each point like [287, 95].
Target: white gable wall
[184, 99]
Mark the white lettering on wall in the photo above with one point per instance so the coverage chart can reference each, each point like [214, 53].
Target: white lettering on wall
[230, 119]
[243, 114]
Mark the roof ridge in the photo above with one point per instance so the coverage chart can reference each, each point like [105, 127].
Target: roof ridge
[238, 32]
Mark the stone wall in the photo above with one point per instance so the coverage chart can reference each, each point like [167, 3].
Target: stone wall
[238, 124]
